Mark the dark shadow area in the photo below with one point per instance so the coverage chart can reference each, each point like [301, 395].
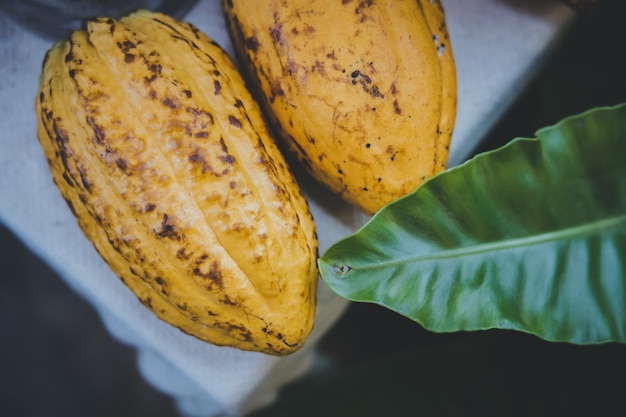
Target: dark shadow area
[57, 358]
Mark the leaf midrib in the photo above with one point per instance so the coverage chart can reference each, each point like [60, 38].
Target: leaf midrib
[562, 234]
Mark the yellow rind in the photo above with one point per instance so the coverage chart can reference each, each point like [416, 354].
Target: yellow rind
[165, 160]
[361, 92]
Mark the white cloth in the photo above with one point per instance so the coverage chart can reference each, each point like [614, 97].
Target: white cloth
[498, 45]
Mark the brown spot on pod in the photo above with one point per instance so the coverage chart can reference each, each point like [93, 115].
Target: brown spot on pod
[376, 93]
[146, 302]
[276, 31]
[227, 159]
[96, 129]
[252, 43]
[197, 158]
[223, 145]
[234, 121]
[214, 275]
[83, 178]
[228, 301]
[169, 103]
[167, 228]
[121, 164]
[396, 107]
[68, 179]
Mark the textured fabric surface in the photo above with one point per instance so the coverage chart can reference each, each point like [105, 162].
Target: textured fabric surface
[498, 45]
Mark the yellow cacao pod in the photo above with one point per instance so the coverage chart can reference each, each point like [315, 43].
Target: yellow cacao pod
[362, 92]
[166, 162]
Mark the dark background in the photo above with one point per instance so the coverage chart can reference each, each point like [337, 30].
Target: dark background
[56, 359]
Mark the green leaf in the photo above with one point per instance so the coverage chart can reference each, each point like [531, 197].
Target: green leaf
[529, 237]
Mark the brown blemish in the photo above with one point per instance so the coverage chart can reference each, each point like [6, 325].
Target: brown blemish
[276, 31]
[146, 302]
[217, 87]
[319, 68]
[97, 129]
[83, 178]
[155, 69]
[197, 158]
[396, 107]
[365, 81]
[277, 90]
[362, 5]
[68, 179]
[169, 103]
[111, 24]
[227, 159]
[182, 254]
[223, 145]
[234, 121]
[121, 164]
[227, 300]
[252, 43]
[214, 274]
[168, 229]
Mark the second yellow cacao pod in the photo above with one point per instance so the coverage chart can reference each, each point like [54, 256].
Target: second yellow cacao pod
[167, 164]
[363, 92]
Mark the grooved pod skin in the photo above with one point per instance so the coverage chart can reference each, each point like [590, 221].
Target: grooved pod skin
[362, 92]
[165, 160]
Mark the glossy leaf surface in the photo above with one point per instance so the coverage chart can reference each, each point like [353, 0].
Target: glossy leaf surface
[529, 237]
